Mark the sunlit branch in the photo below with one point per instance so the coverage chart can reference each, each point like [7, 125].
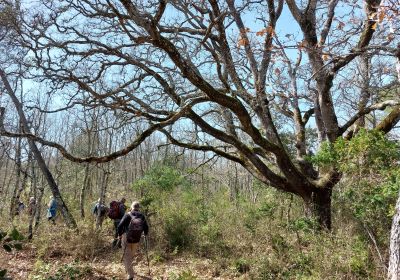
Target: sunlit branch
[379, 106]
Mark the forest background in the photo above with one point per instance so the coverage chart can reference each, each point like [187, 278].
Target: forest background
[259, 136]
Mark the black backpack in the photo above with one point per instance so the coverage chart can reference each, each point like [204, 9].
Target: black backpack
[135, 229]
[103, 210]
[100, 207]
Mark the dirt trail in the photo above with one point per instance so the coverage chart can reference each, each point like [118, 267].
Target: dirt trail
[24, 264]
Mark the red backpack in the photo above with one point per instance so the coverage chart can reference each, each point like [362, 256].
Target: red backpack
[113, 213]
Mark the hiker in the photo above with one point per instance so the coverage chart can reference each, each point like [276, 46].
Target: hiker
[52, 209]
[103, 211]
[31, 206]
[20, 207]
[116, 212]
[129, 231]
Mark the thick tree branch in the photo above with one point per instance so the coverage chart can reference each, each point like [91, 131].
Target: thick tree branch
[365, 37]
[388, 123]
[379, 106]
[160, 11]
[243, 36]
[328, 22]
[202, 148]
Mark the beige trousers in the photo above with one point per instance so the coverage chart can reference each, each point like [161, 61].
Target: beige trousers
[129, 250]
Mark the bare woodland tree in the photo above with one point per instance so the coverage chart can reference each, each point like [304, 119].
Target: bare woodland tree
[9, 16]
[38, 156]
[252, 90]
[394, 249]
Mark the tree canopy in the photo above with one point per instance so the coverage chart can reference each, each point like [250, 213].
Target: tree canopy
[261, 83]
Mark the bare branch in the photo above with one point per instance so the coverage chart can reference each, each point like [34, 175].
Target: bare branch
[328, 22]
[379, 106]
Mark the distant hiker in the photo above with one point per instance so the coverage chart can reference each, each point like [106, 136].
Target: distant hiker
[100, 211]
[31, 206]
[20, 207]
[129, 231]
[52, 209]
[116, 212]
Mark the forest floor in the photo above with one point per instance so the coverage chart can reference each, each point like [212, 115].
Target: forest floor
[25, 264]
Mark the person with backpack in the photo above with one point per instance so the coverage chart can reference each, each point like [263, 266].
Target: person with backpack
[100, 211]
[31, 206]
[116, 212]
[130, 229]
[52, 210]
[20, 207]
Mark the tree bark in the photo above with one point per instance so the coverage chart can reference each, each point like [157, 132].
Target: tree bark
[4, 185]
[69, 219]
[85, 186]
[25, 175]
[103, 190]
[394, 249]
[15, 199]
[34, 194]
[318, 206]
[40, 193]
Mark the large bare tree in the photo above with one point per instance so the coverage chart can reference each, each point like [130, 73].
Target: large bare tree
[255, 80]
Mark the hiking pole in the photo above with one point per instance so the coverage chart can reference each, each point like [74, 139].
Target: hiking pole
[147, 252]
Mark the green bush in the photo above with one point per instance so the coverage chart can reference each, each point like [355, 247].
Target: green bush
[303, 224]
[160, 178]
[370, 162]
[178, 230]
[242, 265]
[360, 262]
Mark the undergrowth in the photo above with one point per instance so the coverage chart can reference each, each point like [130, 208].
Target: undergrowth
[261, 240]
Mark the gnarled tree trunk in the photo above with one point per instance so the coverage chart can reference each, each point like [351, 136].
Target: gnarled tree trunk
[318, 206]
